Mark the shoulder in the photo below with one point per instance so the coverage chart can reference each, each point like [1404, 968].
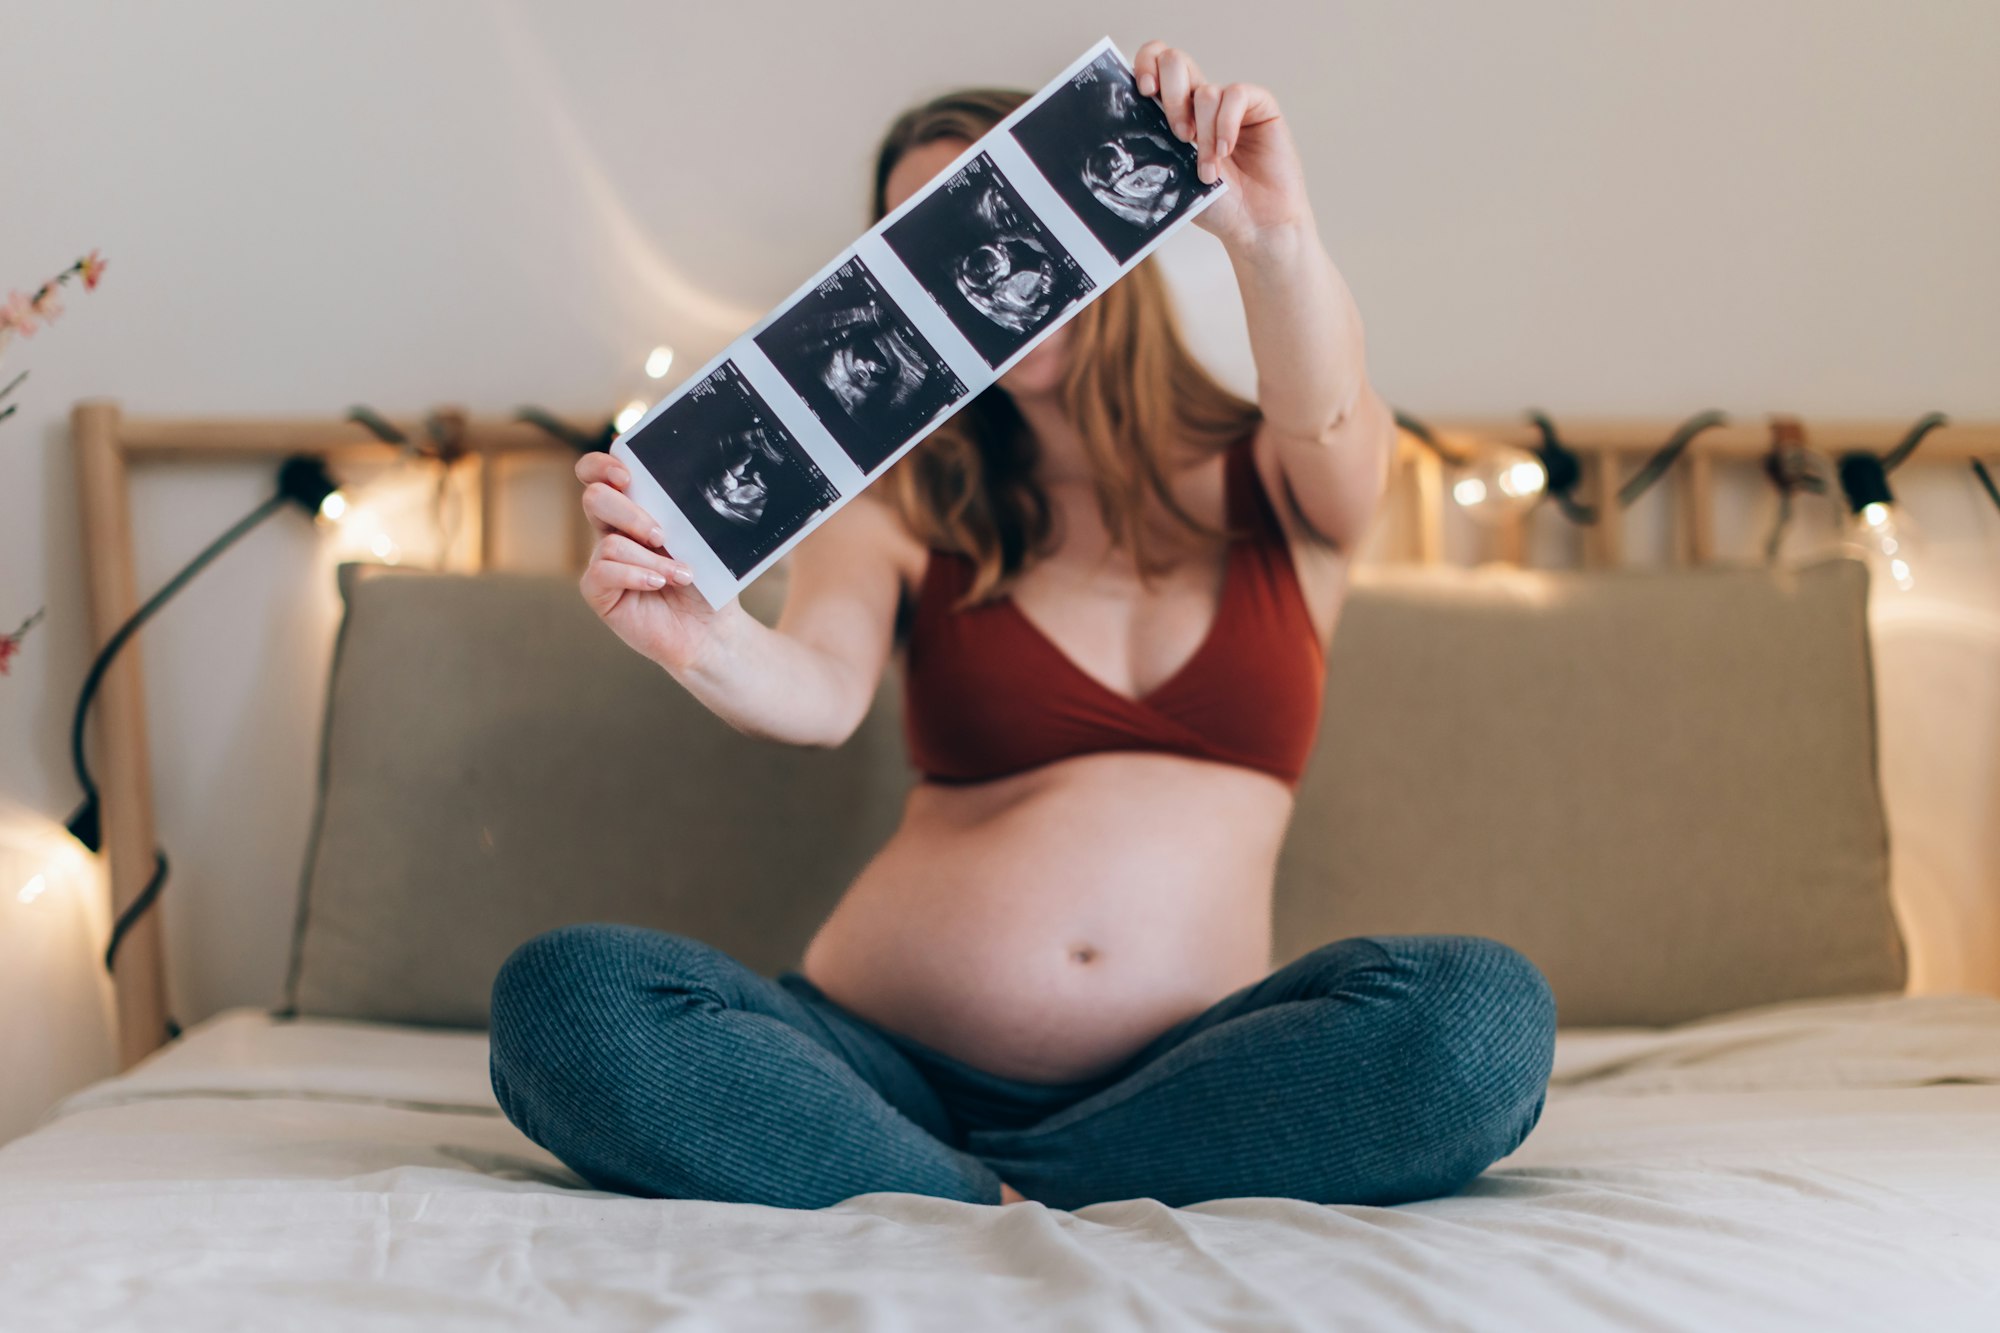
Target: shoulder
[1321, 566]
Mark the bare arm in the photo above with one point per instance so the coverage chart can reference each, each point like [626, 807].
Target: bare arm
[1333, 434]
[806, 681]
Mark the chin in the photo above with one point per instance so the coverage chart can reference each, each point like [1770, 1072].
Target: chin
[1041, 371]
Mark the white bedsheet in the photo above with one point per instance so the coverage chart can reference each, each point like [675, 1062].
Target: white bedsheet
[1833, 1165]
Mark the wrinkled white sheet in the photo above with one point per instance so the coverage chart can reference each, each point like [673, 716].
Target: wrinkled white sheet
[1833, 1165]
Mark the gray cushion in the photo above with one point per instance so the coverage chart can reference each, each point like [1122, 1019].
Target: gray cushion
[497, 763]
[1660, 786]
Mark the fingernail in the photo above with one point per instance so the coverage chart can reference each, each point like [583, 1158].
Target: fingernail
[1222, 147]
[683, 576]
[621, 476]
[659, 538]
[656, 580]
[1206, 171]
[1146, 84]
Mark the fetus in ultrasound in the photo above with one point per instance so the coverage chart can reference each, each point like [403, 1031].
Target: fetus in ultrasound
[987, 260]
[848, 350]
[732, 468]
[1109, 152]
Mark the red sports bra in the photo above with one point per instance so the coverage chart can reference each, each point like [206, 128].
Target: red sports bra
[987, 694]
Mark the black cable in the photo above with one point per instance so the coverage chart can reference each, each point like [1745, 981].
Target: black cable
[12, 385]
[1663, 458]
[1986, 481]
[377, 424]
[584, 442]
[1908, 445]
[302, 481]
[85, 823]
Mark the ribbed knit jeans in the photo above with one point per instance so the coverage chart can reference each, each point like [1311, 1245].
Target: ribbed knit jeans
[1373, 1070]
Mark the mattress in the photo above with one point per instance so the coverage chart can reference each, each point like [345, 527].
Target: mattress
[1832, 1165]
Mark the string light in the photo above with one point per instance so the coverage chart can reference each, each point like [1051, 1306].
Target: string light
[658, 362]
[1489, 481]
[1877, 530]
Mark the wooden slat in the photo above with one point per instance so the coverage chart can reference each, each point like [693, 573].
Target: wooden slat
[1604, 540]
[1956, 441]
[152, 438]
[1430, 509]
[122, 765]
[489, 509]
[1694, 483]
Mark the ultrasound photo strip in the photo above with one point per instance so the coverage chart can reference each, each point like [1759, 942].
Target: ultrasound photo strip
[986, 259]
[1110, 153]
[925, 310]
[732, 468]
[863, 368]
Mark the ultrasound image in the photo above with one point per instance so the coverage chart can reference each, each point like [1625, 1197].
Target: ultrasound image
[849, 351]
[987, 260]
[733, 469]
[1109, 152]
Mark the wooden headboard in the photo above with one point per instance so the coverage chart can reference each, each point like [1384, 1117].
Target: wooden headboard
[108, 444]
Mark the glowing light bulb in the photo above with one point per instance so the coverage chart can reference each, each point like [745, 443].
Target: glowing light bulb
[1884, 537]
[1877, 531]
[658, 362]
[1498, 481]
[628, 415]
[334, 507]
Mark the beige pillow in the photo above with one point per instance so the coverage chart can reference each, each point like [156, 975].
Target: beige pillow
[497, 763]
[1659, 785]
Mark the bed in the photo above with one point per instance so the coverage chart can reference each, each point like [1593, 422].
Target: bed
[1822, 1165]
[1661, 785]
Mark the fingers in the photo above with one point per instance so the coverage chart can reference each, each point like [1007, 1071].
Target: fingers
[1208, 158]
[1235, 104]
[600, 466]
[1146, 66]
[625, 551]
[611, 510]
[1178, 78]
[620, 565]
[1207, 115]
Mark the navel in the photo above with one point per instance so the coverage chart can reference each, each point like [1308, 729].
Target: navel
[1082, 953]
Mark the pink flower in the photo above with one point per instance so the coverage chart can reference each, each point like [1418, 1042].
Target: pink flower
[19, 314]
[48, 302]
[91, 266]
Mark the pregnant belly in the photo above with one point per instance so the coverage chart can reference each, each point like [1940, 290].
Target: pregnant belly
[1046, 926]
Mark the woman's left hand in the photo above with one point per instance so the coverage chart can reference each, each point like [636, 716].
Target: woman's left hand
[1239, 132]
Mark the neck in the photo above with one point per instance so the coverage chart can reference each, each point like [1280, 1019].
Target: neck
[1059, 453]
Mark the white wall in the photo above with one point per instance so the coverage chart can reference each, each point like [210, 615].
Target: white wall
[1612, 208]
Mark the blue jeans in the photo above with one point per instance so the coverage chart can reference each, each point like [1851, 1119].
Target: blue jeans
[1373, 1070]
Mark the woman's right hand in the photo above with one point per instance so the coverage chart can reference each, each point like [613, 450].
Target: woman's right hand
[645, 595]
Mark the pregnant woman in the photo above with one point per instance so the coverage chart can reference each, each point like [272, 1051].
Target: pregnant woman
[1113, 583]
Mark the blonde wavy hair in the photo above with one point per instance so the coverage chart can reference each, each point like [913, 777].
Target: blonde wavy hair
[1133, 389]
